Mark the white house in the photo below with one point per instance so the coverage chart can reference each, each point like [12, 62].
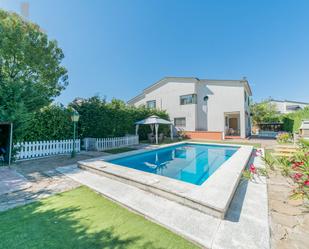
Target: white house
[202, 106]
[287, 106]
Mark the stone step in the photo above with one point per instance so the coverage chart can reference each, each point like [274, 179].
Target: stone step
[282, 154]
[286, 149]
[284, 146]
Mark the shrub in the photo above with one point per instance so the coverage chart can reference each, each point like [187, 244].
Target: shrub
[292, 121]
[269, 160]
[304, 143]
[50, 123]
[300, 175]
[283, 137]
[98, 118]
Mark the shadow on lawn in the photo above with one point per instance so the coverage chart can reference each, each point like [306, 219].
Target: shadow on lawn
[33, 227]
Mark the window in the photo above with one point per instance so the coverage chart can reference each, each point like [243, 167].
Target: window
[151, 104]
[293, 107]
[245, 96]
[180, 122]
[188, 99]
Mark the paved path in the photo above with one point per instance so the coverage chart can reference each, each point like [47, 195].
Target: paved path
[289, 218]
[245, 227]
[31, 180]
[53, 183]
[11, 181]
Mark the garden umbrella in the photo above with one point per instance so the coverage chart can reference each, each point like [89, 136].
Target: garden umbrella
[154, 122]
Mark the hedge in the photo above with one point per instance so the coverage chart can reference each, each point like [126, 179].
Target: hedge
[101, 119]
[98, 119]
[50, 123]
[292, 121]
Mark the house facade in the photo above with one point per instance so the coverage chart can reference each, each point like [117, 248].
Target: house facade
[288, 106]
[200, 105]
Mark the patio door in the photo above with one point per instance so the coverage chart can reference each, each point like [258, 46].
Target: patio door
[232, 125]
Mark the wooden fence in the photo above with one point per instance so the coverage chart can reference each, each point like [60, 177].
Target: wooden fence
[29, 150]
[115, 142]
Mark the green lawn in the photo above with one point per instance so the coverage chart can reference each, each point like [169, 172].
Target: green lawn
[119, 150]
[81, 219]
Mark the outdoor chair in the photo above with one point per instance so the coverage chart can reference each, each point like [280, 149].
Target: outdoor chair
[151, 138]
[161, 137]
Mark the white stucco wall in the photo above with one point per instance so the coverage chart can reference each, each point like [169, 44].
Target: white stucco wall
[223, 97]
[167, 98]
[281, 106]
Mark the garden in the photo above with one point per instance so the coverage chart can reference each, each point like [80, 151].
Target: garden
[264, 114]
[294, 167]
[31, 77]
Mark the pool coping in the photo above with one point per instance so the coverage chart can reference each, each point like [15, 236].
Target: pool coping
[212, 197]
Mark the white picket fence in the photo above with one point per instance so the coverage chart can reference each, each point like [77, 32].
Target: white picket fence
[115, 142]
[29, 150]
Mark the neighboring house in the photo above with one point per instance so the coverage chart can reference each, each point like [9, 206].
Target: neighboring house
[287, 106]
[206, 107]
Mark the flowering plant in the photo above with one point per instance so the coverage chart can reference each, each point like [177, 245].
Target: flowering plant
[283, 137]
[300, 174]
[252, 170]
[295, 167]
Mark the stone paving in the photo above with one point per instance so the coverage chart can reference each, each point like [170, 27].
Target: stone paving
[11, 181]
[50, 185]
[289, 218]
[32, 180]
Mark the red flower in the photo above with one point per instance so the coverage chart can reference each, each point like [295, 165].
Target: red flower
[297, 176]
[297, 164]
[306, 183]
[258, 153]
[252, 169]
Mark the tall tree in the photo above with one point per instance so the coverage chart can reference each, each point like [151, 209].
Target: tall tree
[31, 74]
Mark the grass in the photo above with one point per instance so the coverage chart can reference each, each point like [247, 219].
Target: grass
[119, 150]
[81, 219]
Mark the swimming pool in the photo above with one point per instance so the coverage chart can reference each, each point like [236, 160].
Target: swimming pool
[187, 162]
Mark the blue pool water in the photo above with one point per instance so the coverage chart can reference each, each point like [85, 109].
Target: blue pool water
[192, 163]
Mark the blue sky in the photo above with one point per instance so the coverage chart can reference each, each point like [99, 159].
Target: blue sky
[117, 48]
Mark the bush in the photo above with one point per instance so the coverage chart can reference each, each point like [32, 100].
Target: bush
[300, 175]
[292, 121]
[99, 118]
[304, 143]
[283, 137]
[50, 123]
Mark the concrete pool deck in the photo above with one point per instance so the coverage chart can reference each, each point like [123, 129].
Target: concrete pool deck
[245, 225]
[212, 197]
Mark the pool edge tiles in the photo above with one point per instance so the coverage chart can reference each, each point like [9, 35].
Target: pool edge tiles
[187, 162]
[212, 197]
